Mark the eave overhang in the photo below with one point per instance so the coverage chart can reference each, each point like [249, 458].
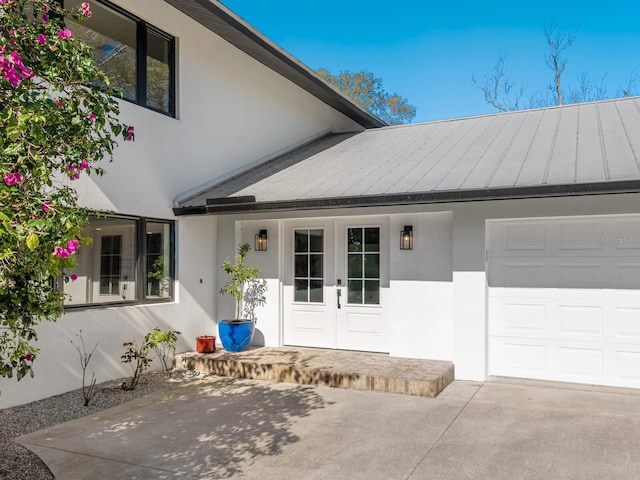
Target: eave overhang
[231, 205]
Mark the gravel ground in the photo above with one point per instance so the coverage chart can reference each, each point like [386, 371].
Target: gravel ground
[18, 463]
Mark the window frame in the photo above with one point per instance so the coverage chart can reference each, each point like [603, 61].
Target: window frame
[142, 27]
[139, 261]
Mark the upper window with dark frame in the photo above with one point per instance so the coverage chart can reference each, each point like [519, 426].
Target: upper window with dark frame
[139, 59]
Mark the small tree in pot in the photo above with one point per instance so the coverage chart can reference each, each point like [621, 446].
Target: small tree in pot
[236, 334]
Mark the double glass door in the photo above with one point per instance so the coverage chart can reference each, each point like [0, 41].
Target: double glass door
[334, 279]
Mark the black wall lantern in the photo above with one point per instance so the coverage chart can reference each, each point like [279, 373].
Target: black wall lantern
[261, 241]
[406, 238]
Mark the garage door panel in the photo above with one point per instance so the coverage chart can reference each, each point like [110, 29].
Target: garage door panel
[579, 275]
[524, 236]
[627, 325]
[627, 275]
[581, 362]
[564, 299]
[580, 235]
[518, 318]
[580, 320]
[627, 365]
[525, 274]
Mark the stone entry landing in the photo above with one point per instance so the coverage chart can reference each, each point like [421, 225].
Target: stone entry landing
[376, 372]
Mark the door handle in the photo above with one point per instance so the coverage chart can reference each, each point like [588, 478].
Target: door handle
[339, 294]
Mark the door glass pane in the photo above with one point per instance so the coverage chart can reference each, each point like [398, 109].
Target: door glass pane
[315, 290]
[302, 266]
[354, 288]
[308, 267]
[372, 292]
[315, 266]
[301, 241]
[354, 240]
[363, 262]
[158, 72]
[315, 241]
[355, 266]
[372, 266]
[372, 239]
[301, 289]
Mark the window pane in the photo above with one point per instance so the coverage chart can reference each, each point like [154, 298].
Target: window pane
[315, 270]
[112, 37]
[158, 262]
[300, 290]
[372, 292]
[106, 270]
[301, 241]
[355, 291]
[371, 239]
[302, 266]
[354, 240]
[315, 241]
[372, 266]
[158, 72]
[316, 291]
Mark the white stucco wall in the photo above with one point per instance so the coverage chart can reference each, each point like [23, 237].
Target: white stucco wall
[231, 112]
[438, 292]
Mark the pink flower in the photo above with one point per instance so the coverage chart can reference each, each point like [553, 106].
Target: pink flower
[13, 69]
[13, 178]
[73, 277]
[41, 39]
[92, 117]
[28, 357]
[57, 102]
[60, 252]
[72, 246]
[85, 9]
[46, 206]
[45, 18]
[74, 176]
[66, 33]
[130, 134]
[84, 165]
[4, 1]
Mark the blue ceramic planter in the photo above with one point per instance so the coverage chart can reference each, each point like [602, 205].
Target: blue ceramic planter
[236, 335]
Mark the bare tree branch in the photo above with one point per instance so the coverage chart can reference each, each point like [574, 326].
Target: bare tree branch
[498, 90]
[558, 42]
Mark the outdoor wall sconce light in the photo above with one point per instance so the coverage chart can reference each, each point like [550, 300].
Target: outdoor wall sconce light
[261, 241]
[406, 238]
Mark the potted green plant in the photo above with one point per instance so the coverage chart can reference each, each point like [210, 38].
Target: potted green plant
[236, 333]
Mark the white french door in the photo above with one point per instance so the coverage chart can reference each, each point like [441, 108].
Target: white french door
[334, 274]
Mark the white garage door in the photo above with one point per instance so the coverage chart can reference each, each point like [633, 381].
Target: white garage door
[564, 299]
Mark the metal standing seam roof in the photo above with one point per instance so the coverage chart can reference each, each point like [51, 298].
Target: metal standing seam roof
[568, 150]
[223, 22]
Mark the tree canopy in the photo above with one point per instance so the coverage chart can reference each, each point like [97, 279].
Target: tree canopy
[365, 89]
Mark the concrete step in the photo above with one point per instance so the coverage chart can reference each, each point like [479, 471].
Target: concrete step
[333, 368]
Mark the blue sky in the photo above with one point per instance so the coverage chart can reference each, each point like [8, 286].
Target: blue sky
[428, 51]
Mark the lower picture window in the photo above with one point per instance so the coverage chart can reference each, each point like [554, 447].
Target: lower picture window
[128, 260]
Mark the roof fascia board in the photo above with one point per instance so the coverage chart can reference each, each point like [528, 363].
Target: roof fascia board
[449, 196]
[275, 58]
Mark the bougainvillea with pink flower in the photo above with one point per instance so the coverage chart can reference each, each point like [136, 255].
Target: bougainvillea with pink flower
[55, 125]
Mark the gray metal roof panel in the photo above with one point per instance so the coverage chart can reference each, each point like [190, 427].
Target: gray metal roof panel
[560, 146]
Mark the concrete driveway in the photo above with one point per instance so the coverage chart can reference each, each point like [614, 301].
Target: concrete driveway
[226, 428]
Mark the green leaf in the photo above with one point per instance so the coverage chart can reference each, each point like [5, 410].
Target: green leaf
[33, 241]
